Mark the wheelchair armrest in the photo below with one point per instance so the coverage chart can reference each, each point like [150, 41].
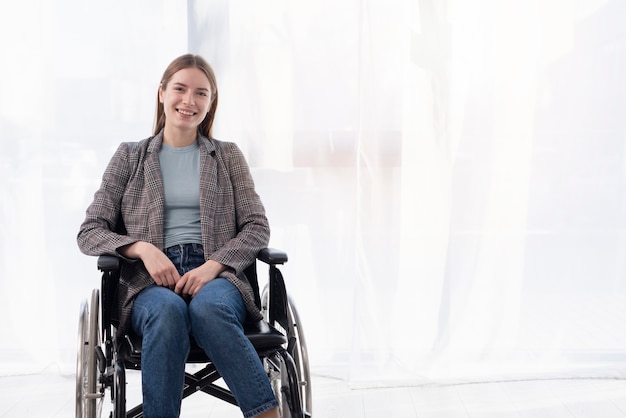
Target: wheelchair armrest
[272, 256]
[108, 263]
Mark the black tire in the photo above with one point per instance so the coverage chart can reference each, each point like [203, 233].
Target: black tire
[119, 390]
[81, 360]
[300, 356]
[87, 398]
[299, 359]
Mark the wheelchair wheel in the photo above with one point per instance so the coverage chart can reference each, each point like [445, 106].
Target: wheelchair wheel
[301, 359]
[87, 405]
[119, 390]
[284, 380]
[298, 353]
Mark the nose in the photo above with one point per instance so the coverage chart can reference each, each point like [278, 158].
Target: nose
[189, 99]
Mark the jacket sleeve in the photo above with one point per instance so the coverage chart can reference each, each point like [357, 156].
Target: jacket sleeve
[97, 234]
[253, 231]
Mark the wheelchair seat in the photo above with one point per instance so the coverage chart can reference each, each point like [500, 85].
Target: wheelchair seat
[261, 334]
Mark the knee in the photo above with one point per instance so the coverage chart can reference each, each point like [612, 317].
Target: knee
[172, 315]
[166, 315]
[213, 307]
[207, 310]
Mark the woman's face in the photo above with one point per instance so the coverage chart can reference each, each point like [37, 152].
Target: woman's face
[186, 99]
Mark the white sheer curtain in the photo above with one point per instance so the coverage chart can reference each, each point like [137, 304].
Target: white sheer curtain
[76, 78]
[447, 177]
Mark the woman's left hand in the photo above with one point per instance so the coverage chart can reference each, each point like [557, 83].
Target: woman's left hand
[192, 281]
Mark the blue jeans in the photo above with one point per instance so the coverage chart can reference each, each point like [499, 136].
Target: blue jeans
[215, 317]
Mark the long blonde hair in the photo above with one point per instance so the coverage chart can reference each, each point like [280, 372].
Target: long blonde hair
[180, 63]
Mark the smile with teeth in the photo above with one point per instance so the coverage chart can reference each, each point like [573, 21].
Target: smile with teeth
[186, 112]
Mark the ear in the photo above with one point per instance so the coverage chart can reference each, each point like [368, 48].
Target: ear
[160, 92]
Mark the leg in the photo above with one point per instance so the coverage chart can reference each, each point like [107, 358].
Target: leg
[160, 316]
[272, 413]
[217, 313]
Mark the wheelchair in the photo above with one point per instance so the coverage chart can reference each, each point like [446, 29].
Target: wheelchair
[103, 359]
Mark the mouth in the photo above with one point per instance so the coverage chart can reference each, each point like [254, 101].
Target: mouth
[186, 112]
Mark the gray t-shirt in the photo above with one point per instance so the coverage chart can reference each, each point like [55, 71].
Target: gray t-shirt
[180, 169]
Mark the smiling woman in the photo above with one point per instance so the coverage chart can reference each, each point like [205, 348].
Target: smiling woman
[187, 100]
[194, 238]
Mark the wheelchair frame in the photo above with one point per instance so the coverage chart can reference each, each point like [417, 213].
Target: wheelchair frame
[102, 360]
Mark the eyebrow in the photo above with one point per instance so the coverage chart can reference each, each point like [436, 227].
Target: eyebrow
[184, 85]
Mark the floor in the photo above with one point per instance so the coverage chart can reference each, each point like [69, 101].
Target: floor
[53, 396]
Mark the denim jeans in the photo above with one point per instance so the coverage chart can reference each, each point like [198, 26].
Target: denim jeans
[214, 317]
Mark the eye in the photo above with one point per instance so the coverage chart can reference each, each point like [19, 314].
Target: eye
[178, 88]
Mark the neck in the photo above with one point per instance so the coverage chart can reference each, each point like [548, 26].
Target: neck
[177, 138]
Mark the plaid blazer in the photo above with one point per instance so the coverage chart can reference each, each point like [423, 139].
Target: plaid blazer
[232, 217]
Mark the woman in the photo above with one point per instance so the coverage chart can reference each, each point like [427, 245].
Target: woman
[193, 222]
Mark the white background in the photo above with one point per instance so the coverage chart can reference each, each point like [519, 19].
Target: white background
[447, 177]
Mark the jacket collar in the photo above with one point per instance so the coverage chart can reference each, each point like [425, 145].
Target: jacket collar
[205, 143]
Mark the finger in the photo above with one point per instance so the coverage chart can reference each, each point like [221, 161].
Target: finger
[162, 280]
[172, 276]
[196, 289]
[157, 280]
[198, 285]
[191, 284]
[163, 275]
[180, 285]
[184, 283]
[173, 279]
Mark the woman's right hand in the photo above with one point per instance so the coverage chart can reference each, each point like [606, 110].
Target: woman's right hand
[160, 268]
